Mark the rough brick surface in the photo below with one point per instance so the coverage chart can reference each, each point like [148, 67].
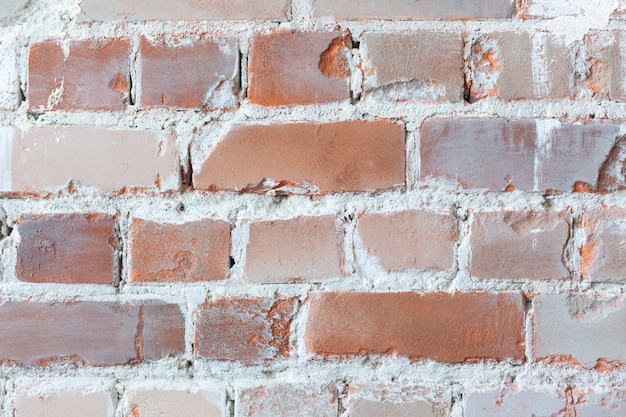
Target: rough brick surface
[168, 403]
[68, 249]
[162, 331]
[581, 328]
[91, 332]
[418, 66]
[297, 400]
[189, 252]
[49, 158]
[606, 404]
[402, 9]
[514, 404]
[437, 326]
[289, 68]
[93, 75]
[64, 404]
[603, 254]
[528, 154]
[336, 157]
[409, 239]
[374, 400]
[185, 10]
[302, 249]
[251, 331]
[605, 76]
[189, 74]
[516, 245]
[514, 65]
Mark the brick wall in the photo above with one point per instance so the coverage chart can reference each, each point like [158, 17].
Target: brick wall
[312, 208]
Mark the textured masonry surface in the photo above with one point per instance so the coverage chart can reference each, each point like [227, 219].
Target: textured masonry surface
[312, 208]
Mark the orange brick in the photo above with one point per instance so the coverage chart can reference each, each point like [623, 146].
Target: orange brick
[516, 245]
[410, 239]
[604, 252]
[289, 68]
[251, 331]
[336, 157]
[442, 327]
[93, 76]
[417, 66]
[306, 248]
[68, 249]
[190, 252]
[195, 74]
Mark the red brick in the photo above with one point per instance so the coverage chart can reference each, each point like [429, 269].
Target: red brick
[186, 9]
[190, 252]
[169, 403]
[605, 65]
[514, 404]
[301, 400]
[93, 76]
[92, 332]
[529, 154]
[410, 239]
[604, 252]
[443, 327]
[418, 66]
[581, 329]
[336, 157]
[68, 249]
[48, 158]
[189, 74]
[424, 9]
[163, 331]
[514, 65]
[63, 404]
[287, 68]
[517, 245]
[251, 331]
[301, 249]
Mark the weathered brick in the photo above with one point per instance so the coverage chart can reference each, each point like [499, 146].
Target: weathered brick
[92, 332]
[68, 249]
[401, 9]
[549, 9]
[47, 158]
[90, 75]
[590, 403]
[517, 245]
[11, 7]
[529, 154]
[189, 252]
[514, 404]
[9, 84]
[443, 327]
[301, 400]
[336, 157]
[604, 252]
[168, 403]
[163, 331]
[514, 65]
[374, 400]
[63, 404]
[189, 74]
[418, 66]
[287, 68]
[604, 61]
[580, 328]
[305, 248]
[186, 10]
[251, 331]
[409, 239]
